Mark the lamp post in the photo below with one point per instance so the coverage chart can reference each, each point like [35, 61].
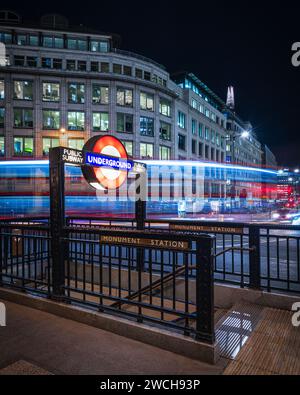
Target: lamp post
[63, 133]
[245, 134]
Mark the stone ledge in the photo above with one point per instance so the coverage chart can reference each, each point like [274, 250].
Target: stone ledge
[157, 337]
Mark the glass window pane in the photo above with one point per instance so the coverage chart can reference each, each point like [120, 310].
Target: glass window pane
[76, 120]
[51, 91]
[76, 143]
[129, 147]
[23, 90]
[100, 94]
[2, 146]
[2, 90]
[76, 93]
[51, 119]
[100, 121]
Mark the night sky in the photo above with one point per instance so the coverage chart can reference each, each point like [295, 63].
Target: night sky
[244, 44]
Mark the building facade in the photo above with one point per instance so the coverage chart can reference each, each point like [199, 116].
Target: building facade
[62, 85]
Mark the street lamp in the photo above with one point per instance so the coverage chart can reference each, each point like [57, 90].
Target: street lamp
[245, 134]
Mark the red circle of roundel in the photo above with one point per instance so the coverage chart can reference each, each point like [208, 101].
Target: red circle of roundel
[110, 140]
[95, 174]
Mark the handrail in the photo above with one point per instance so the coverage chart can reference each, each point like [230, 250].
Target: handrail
[154, 285]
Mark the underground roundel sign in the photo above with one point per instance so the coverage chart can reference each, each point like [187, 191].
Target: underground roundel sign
[106, 162]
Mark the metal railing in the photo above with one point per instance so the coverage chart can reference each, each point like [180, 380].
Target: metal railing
[130, 280]
[260, 256]
[161, 277]
[25, 256]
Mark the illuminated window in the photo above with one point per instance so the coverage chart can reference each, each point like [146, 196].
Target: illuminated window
[124, 97]
[76, 143]
[21, 39]
[51, 91]
[2, 114]
[49, 142]
[33, 41]
[200, 130]
[100, 94]
[2, 89]
[181, 121]
[99, 46]
[23, 118]
[23, 90]
[5, 38]
[213, 136]
[51, 119]
[165, 131]
[129, 147]
[80, 45]
[53, 42]
[146, 151]
[2, 146]
[147, 126]
[164, 153]
[206, 133]
[100, 121]
[76, 120]
[165, 107]
[76, 93]
[23, 146]
[194, 126]
[146, 101]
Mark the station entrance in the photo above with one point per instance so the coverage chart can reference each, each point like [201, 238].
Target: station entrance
[162, 277]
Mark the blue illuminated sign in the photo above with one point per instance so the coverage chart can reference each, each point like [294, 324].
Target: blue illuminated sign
[112, 162]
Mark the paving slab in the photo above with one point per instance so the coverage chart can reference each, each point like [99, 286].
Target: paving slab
[61, 346]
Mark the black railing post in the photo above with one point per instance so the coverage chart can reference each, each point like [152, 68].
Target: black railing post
[140, 216]
[205, 290]
[140, 203]
[1, 257]
[254, 257]
[57, 220]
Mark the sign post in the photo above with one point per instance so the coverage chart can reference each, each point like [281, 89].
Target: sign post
[57, 216]
[105, 165]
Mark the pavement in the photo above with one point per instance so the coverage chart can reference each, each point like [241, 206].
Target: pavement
[36, 341]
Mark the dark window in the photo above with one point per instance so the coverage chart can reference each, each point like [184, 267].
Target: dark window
[19, 60]
[71, 64]
[181, 142]
[23, 118]
[57, 64]
[124, 123]
[194, 147]
[46, 63]
[95, 66]
[147, 126]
